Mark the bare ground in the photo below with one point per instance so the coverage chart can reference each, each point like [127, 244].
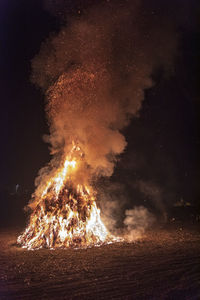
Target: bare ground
[165, 264]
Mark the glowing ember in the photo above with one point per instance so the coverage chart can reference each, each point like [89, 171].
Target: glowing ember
[65, 216]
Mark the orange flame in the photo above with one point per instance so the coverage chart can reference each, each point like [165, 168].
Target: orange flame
[65, 216]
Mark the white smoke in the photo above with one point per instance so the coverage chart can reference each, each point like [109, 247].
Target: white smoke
[137, 220]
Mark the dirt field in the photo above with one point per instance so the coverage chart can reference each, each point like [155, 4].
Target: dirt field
[165, 264]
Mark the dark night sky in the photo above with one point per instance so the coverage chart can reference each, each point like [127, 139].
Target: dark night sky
[163, 144]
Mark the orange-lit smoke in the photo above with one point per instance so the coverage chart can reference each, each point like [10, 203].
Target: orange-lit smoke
[94, 73]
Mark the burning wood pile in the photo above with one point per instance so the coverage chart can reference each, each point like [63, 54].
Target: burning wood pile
[65, 216]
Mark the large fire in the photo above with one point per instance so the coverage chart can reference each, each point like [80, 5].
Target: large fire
[64, 215]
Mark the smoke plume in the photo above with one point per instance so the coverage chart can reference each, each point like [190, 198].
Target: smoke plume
[93, 73]
[154, 192]
[137, 220]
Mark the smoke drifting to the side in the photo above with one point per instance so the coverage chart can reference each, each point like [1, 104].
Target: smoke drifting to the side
[137, 220]
[94, 73]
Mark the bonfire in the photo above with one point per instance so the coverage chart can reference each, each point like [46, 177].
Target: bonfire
[65, 215]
